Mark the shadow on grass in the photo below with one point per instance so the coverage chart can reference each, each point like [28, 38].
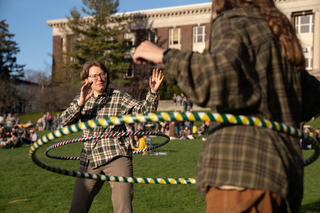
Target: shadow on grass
[310, 208]
[171, 150]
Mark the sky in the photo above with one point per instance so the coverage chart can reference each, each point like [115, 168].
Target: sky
[27, 21]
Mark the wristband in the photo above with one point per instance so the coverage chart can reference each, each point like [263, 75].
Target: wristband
[164, 58]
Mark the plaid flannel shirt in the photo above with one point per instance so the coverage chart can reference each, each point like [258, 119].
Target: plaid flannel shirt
[112, 103]
[243, 73]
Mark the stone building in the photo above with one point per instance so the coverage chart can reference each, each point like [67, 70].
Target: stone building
[186, 27]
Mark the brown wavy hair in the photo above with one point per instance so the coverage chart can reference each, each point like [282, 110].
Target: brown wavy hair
[278, 22]
[86, 67]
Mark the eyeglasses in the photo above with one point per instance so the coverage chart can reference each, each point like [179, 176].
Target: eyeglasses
[102, 75]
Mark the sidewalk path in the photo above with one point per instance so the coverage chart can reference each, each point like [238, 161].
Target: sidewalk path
[167, 105]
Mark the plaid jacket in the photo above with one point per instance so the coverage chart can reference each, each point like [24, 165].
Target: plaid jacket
[111, 103]
[243, 73]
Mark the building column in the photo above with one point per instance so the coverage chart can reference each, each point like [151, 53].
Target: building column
[316, 44]
[64, 47]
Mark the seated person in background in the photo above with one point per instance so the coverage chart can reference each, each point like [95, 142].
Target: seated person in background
[29, 139]
[1, 120]
[21, 129]
[40, 124]
[129, 128]
[24, 136]
[3, 137]
[189, 134]
[200, 130]
[158, 128]
[139, 142]
[7, 134]
[12, 142]
[33, 136]
[166, 127]
[141, 127]
[206, 126]
[163, 126]
[172, 130]
[304, 145]
[13, 129]
[185, 133]
[149, 141]
[29, 124]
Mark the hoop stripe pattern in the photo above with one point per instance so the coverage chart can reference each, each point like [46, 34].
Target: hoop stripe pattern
[154, 117]
[110, 135]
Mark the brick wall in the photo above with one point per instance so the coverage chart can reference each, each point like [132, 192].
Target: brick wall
[57, 45]
[186, 37]
[163, 34]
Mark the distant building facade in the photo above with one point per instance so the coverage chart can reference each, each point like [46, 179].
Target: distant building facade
[186, 27]
[26, 91]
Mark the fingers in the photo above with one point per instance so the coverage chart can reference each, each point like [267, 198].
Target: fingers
[160, 74]
[88, 83]
[140, 61]
[86, 86]
[156, 74]
[89, 95]
[162, 79]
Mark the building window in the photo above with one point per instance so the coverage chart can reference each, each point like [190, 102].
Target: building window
[152, 36]
[308, 52]
[199, 34]
[130, 37]
[131, 40]
[109, 40]
[175, 38]
[129, 73]
[304, 23]
[199, 37]
[71, 47]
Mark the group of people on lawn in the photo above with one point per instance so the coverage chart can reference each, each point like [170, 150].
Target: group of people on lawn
[46, 122]
[14, 135]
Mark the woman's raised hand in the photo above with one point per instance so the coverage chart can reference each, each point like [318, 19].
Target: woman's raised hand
[86, 93]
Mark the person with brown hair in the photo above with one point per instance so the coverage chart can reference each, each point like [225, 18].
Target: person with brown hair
[109, 156]
[139, 142]
[12, 142]
[253, 66]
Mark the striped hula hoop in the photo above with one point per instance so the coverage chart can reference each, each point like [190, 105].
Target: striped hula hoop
[154, 117]
[110, 135]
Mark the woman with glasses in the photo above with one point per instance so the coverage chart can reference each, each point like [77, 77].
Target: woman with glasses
[109, 156]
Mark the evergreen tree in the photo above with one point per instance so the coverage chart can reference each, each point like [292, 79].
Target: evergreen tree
[166, 90]
[100, 36]
[9, 69]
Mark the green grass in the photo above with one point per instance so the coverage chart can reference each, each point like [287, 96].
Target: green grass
[52, 192]
[46, 191]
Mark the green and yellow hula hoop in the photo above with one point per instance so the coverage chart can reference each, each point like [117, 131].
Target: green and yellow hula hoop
[110, 135]
[154, 117]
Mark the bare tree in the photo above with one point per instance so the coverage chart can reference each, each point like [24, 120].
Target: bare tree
[54, 98]
[9, 96]
[39, 77]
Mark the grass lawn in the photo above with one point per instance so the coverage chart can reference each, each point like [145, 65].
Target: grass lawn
[25, 187]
